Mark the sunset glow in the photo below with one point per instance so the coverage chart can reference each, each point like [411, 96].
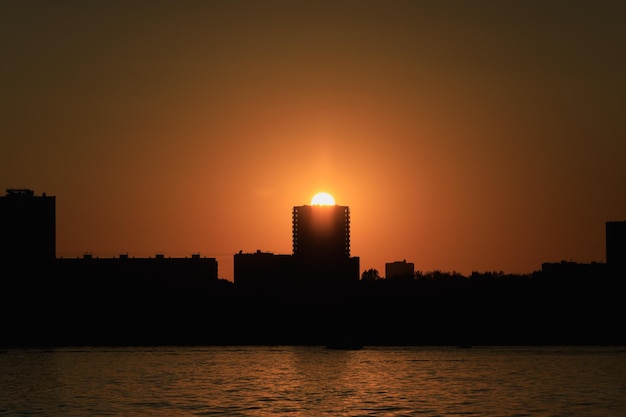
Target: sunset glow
[322, 199]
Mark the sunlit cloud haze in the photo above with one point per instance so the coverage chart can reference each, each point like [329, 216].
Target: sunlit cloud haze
[464, 136]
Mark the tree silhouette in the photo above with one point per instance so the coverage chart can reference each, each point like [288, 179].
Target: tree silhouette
[370, 275]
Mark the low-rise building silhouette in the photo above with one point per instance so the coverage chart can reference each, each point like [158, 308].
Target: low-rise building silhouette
[400, 270]
[261, 268]
[570, 270]
[138, 274]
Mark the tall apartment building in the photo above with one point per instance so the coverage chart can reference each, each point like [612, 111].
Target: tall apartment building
[321, 244]
[616, 244]
[27, 226]
[321, 231]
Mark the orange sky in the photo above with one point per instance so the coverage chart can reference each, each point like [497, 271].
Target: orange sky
[464, 136]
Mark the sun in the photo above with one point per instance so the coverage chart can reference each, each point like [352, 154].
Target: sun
[322, 199]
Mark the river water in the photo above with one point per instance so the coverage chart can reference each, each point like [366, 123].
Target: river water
[314, 381]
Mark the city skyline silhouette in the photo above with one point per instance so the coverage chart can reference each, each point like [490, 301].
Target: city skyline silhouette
[164, 301]
[320, 232]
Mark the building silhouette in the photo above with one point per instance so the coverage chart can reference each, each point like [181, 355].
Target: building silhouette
[321, 232]
[262, 269]
[139, 275]
[616, 245]
[321, 252]
[321, 244]
[400, 270]
[27, 226]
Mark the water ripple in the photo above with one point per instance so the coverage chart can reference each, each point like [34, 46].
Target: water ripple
[312, 381]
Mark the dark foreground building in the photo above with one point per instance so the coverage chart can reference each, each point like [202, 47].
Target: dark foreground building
[27, 226]
[616, 245]
[321, 244]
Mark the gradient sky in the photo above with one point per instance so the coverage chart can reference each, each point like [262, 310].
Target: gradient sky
[463, 135]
